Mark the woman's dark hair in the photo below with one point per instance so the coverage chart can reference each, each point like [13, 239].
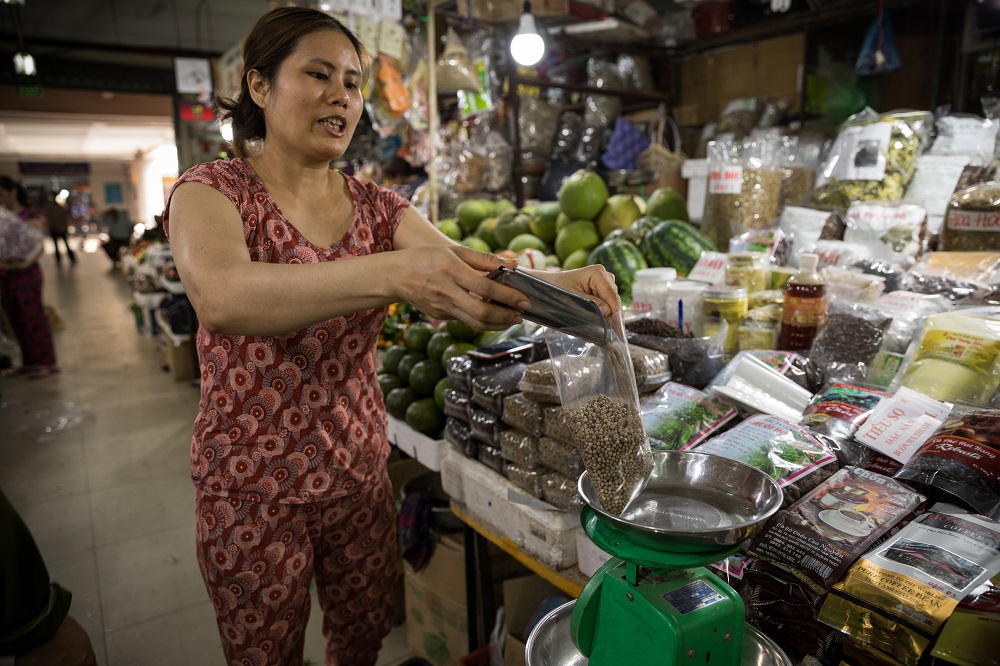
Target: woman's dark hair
[8, 183]
[266, 46]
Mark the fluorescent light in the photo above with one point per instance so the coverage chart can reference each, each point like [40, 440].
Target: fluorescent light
[527, 47]
[24, 64]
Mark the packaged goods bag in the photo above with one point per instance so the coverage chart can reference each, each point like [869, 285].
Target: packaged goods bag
[744, 189]
[972, 219]
[897, 596]
[835, 414]
[678, 417]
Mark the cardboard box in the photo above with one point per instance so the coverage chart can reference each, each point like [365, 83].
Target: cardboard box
[436, 612]
[521, 598]
[505, 11]
[178, 351]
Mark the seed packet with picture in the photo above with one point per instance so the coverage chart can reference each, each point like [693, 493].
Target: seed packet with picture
[678, 417]
[597, 388]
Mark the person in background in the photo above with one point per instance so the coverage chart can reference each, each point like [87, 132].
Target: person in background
[21, 296]
[57, 218]
[120, 230]
[35, 626]
[290, 267]
[404, 178]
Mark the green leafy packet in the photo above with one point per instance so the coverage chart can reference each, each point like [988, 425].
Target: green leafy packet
[789, 453]
[678, 417]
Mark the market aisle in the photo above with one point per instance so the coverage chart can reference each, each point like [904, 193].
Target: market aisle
[109, 500]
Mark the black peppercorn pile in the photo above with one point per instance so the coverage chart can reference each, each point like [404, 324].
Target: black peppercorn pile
[611, 440]
[655, 327]
[845, 346]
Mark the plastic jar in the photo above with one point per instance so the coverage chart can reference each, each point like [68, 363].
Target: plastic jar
[685, 306]
[649, 291]
[727, 304]
[744, 269]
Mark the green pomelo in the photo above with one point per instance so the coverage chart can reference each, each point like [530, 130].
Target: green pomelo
[485, 231]
[618, 213]
[666, 203]
[543, 221]
[579, 235]
[523, 242]
[406, 366]
[576, 259]
[417, 335]
[388, 382]
[439, 389]
[504, 206]
[476, 244]
[424, 416]
[438, 343]
[450, 228]
[562, 221]
[457, 349]
[391, 358]
[583, 195]
[460, 330]
[424, 376]
[397, 401]
[470, 213]
[509, 228]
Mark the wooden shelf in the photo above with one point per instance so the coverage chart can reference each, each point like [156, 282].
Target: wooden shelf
[579, 87]
[831, 12]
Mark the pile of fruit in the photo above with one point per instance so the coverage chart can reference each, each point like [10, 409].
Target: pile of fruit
[413, 377]
[622, 232]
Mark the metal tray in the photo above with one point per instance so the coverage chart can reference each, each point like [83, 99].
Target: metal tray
[693, 502]
[550, 644]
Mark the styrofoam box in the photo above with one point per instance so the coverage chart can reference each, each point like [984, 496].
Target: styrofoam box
[425, 450]
[696, 172]
[547, 536]
[589, 557]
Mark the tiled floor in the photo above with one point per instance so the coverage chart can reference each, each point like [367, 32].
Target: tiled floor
[109, 499]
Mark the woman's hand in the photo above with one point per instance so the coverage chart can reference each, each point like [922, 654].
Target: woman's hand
[449, 282]
[593, 281]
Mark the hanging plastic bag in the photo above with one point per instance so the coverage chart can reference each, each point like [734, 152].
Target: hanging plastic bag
[454, 69]
[878, 52]
[597, 388]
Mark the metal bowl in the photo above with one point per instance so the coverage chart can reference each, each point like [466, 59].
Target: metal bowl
[693, 502]
[550, 644]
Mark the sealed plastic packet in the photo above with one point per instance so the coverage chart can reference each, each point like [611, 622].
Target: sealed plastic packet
[678, 417]
[602, 404]
[897, 596]
[956, 275]
[972, 219]
[889, 230]
[744, 189]
[854, 334]
[834, 416]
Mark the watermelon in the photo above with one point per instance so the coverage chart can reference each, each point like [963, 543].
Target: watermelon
[622, 258]
[636, 231]
[675, 244]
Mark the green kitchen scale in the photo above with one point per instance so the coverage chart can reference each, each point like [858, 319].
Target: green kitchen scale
[654, 603]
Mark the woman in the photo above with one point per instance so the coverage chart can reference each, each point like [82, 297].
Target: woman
[290, 267]
[21, 292]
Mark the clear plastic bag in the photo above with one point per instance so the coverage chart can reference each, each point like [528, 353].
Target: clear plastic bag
[490, 389]
[854, 334]
[739, 117]
[955, 275]
[538, 383]
[799, 158]
[597, 387]
[873, 158]
[555, 424]
[490, 456]
[519, 447]
[890, 231]
[486, 426]
[499, 162]
[560, 457]
[457, 404]
[972, 220]
[794, 366]
[527, 479]
[744, 189]
[523, 413]
[454, 68]
[459, 435]
[459, 371]
[560, 491]
[965, 134]
[536, 124]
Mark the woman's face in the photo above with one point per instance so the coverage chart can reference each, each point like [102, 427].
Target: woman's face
[314, 102]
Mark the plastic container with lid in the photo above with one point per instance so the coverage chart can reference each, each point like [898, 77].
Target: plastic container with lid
[727, 304]
[685, 304]
[649, 291]
[746, 269]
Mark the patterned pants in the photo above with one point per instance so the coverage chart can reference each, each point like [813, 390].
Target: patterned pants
[258, 559]
[21, 299]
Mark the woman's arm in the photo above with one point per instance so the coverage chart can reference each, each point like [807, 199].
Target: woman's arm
[235, 295]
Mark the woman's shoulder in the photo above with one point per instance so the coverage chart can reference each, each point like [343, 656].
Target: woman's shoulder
[217, 173]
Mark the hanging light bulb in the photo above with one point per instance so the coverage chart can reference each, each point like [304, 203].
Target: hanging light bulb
[527, 47]
[24, 64]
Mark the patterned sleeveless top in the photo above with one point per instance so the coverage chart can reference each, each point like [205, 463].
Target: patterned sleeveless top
[298, 417]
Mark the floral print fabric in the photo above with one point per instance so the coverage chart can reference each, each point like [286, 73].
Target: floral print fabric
[299, 417]
[258, 558]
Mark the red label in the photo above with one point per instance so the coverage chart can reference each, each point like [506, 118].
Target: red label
[967, 220]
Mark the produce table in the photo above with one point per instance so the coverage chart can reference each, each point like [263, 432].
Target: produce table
[478, 585]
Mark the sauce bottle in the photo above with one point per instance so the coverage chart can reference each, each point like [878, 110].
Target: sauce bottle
[805, 307]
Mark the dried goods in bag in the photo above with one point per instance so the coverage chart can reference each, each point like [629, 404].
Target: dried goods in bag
[889, 231]
[561, 491]
[744, 189]
[835, 415]
[602, 407]
[523, 413]
[560, 457]
[788, 453]
[519, 447]
[678, 417]
[972, 219]
[960, 463]
[822, 534]
[528, 479]
[490, 389]
[897, 596]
